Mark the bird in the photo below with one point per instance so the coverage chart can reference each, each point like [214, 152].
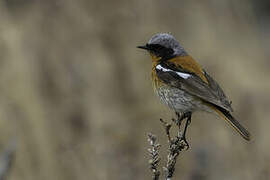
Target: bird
[184, 86]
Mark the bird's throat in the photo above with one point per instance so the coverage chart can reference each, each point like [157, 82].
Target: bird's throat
[155, 59]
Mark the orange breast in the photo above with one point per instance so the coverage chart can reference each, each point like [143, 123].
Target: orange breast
[155, 80]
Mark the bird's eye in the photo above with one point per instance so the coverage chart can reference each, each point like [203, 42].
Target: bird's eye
[160, 50]
[156, 47]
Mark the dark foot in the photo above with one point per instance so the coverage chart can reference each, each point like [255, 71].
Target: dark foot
[188, 121]
[180, 117]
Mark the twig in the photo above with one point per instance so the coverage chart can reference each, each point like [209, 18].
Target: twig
[176, 145]
[153, 151]
[167, 127]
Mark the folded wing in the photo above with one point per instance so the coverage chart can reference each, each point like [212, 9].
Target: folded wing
[193, 84]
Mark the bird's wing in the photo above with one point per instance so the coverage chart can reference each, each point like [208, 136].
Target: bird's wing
[209, 91]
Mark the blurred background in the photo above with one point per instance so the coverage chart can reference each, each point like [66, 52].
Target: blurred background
[76, 100]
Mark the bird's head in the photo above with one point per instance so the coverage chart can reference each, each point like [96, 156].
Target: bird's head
[163, 46]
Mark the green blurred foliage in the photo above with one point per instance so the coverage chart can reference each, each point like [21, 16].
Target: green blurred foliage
[76, 94]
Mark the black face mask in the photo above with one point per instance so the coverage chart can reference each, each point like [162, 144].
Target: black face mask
[160, 51]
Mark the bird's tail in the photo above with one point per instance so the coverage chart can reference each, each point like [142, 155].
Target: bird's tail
[233, 122]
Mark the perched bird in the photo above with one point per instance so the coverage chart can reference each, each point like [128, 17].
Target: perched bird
[183, 85]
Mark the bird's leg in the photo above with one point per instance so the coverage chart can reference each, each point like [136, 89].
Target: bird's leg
[180, 118]
[178, 122]
[188, 121]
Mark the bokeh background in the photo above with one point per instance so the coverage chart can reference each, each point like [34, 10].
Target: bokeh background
[76, 100]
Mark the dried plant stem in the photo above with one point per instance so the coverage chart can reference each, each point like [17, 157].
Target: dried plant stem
[176, 145]
[153, 151]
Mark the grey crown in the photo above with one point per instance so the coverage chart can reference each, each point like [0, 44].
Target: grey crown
[168, 41]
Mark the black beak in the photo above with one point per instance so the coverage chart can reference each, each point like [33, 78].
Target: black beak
[143, 47]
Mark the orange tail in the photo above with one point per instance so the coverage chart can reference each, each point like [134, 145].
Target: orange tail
[233, 122]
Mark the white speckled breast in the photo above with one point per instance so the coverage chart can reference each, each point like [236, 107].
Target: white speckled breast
[180, 100]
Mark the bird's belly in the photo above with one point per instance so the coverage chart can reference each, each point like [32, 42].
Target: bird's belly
[180, 100]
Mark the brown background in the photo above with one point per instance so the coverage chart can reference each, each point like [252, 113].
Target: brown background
[76, 96]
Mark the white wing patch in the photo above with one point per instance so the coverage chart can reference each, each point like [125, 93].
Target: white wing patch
[182, 75]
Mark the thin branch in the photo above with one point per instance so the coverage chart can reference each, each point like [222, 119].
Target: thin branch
[176, 145]
[154, 160]
[167, 127]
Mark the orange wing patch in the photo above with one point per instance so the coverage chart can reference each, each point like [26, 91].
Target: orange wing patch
[188, 63]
